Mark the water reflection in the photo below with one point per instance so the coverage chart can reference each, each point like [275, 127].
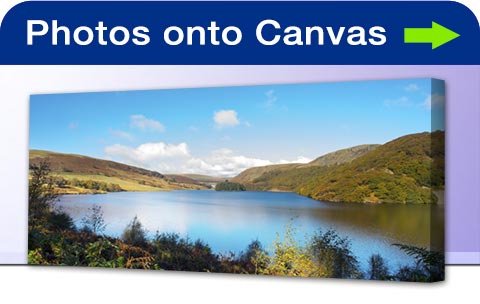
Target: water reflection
[228, 221]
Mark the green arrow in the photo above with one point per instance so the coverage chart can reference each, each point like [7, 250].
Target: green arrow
[437, 35]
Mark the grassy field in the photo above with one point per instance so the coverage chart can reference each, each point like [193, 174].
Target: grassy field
[127, 185]
[128, 178]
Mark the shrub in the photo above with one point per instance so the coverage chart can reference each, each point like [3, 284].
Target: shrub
[134, 234]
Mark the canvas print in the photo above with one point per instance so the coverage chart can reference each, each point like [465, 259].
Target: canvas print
[325, 180]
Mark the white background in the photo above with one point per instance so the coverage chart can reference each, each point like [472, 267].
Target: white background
[79, 285]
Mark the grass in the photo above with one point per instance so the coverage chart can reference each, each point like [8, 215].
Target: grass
[124, 184]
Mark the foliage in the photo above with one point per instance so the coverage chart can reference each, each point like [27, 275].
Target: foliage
[429, 266]
[94, 221]
[134, 234]
[289, 258]
[94, 185]
[334, 255]
[255, 260]
[377, 268]
[404, 170]
[229, 186]
[172, 252]
[59, 220]
[53, 240]
[41, 193]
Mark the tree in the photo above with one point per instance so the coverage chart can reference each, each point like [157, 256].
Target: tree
[41, 193]
[229, 186]
[290, 258]
[255, 259]
[378, 269]
[134, 234]
[334, 255]
[94, 221]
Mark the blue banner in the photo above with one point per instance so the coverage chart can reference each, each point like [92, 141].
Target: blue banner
[240, 33]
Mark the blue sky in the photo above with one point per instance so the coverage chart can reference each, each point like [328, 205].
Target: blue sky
[221, 131]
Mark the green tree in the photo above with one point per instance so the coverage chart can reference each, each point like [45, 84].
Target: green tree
[377, 268]
[255, 260]
[134, 234]
[229, 186]
[334, 255]
[41, 193]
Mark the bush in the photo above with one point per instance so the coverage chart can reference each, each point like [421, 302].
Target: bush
[378, 269]
[334, 255]
[134, 234]
[60, 220]
[94, 221]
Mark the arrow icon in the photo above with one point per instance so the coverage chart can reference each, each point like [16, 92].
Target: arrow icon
[437, 35]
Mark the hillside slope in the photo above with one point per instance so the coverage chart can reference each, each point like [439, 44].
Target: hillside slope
[253, 175]
[401, 171]
[82, 169]
[404, 170]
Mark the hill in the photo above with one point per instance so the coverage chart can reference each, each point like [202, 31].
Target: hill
[83, 174]
[257, 174]
[404, 170]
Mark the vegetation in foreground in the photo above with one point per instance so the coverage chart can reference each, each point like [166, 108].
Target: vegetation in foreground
[54, 240]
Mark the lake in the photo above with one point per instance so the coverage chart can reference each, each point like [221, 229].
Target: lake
[229, 221]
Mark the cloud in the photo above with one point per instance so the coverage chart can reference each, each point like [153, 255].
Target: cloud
[147, 155]
[434, 100]
[299, 160]
[145, 124]
[176, 158]
[121, 134]
[271, 99]
[222, 162]
[412, 87]
[225, 119]
[399, 102]
[72, 125]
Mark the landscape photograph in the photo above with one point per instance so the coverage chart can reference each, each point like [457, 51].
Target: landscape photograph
[321, 180]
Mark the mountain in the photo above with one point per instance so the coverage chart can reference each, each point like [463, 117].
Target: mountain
[252, 175]
[341, 156]
[83, 174]
[404, 170]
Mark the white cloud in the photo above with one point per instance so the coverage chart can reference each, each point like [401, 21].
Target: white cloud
[225, 118]
[176, 158]
[412, 88]
[299, 160]
[399, 102]
[222, 162]
[434, 100]
[148, 155]
[145, 124]
[121, 134]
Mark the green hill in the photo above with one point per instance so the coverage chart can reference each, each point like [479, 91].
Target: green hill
[83, 174]
[258, 174]
[399, 171]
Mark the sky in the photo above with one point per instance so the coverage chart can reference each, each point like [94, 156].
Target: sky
[223, 131]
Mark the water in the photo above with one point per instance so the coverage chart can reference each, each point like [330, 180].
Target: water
[229, 221]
